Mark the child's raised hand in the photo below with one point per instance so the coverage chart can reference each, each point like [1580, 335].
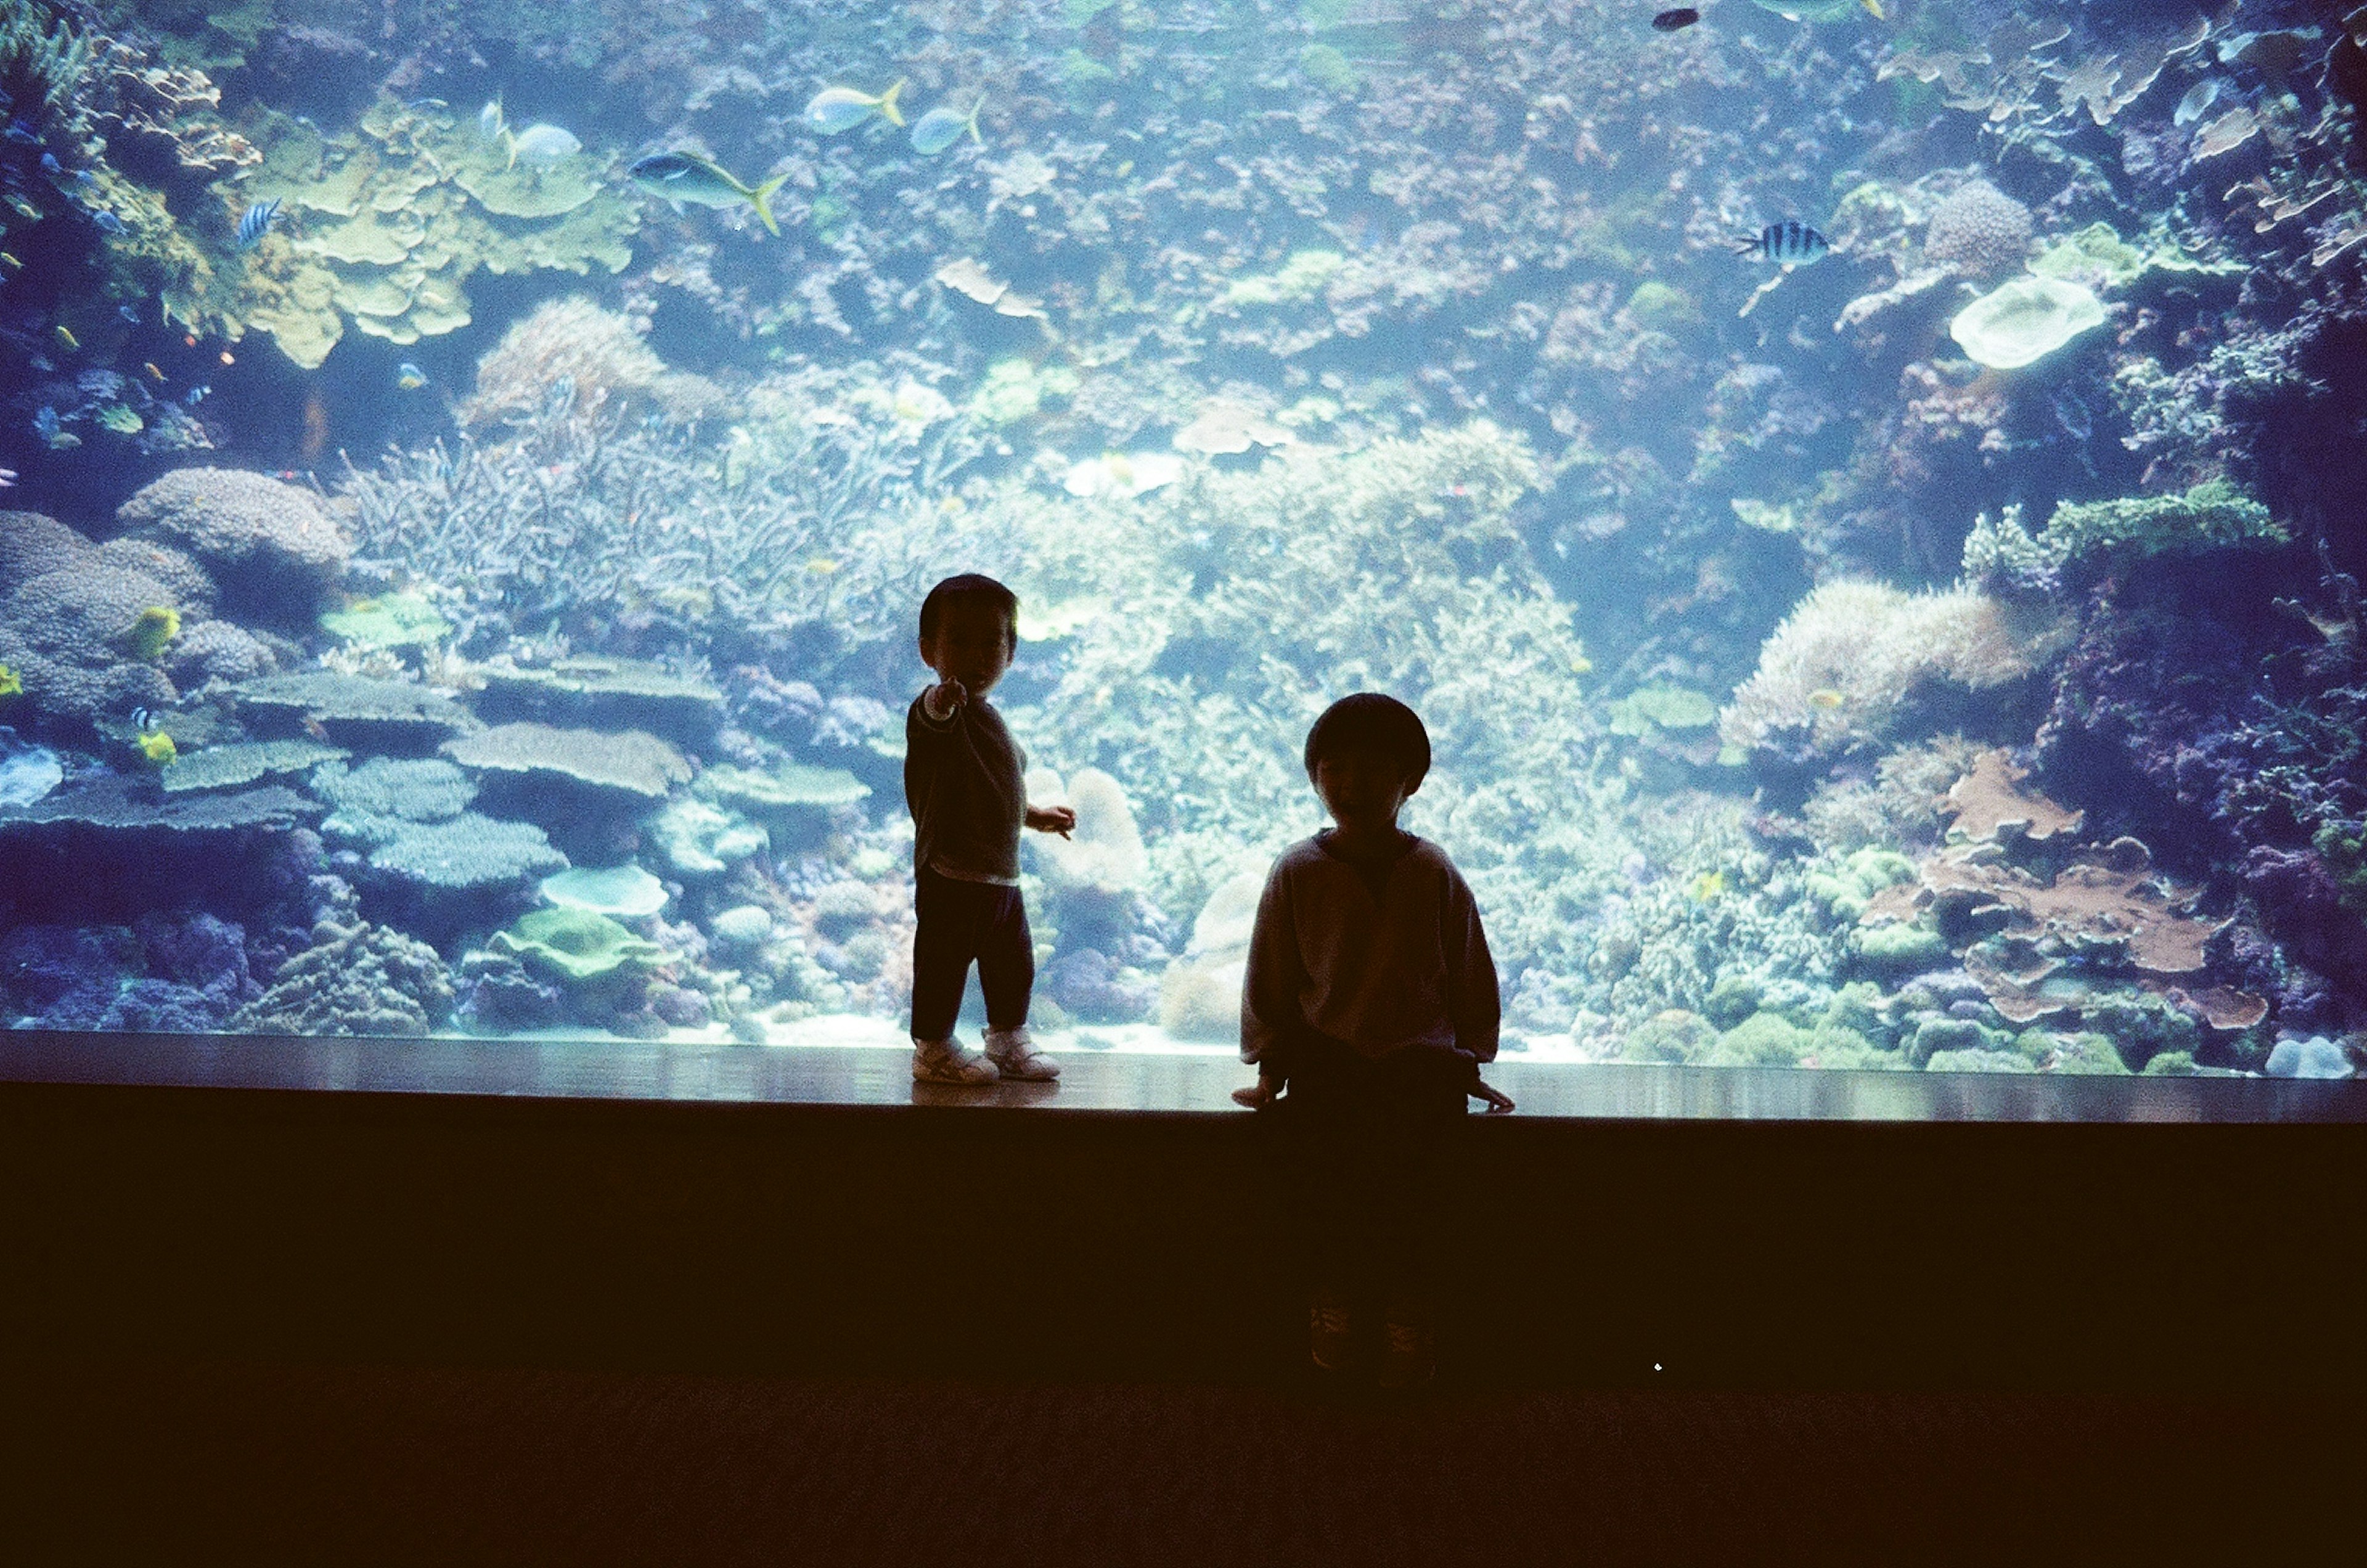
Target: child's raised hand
[1051, 820]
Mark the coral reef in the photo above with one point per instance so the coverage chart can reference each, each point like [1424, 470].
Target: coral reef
[269, 547]
[1978, 231]
[355, 978]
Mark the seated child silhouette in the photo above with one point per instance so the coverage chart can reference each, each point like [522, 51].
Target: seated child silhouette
[1370, 998]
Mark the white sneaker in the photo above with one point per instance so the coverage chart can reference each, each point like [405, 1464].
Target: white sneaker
[1015, 1056]
[949, 1061]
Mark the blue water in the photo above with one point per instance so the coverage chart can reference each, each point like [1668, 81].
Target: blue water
[1858, 500]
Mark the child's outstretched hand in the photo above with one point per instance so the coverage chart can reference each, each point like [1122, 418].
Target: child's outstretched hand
[1257, 1096]
[944, 697]
[1497, 1100]
[1051, 820]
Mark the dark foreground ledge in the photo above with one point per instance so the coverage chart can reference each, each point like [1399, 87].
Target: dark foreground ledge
[669, 1207]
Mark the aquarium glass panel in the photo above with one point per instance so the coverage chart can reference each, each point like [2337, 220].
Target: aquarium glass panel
[1861, 497]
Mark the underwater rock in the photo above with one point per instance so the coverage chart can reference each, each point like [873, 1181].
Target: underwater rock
[1087, 985]
[741, 926]
[358, 978]
[27, 773]
[2315, 1057]
[269, 547]
[1200, 994]
[1090, 878]
[217, 650]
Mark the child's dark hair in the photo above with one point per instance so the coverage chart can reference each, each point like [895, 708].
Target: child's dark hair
[1371, 722]
[970, 585]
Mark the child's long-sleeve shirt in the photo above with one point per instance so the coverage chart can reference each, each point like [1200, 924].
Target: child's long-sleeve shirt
[965, 779]
[1381, 957]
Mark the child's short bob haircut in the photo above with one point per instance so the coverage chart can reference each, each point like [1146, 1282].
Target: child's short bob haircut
[1371, 722]
[970, 586]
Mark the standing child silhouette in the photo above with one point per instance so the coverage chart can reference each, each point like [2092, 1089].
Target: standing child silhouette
[964, 780]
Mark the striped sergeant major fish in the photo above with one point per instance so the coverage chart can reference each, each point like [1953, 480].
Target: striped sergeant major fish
[1790, 242]
[256, 221]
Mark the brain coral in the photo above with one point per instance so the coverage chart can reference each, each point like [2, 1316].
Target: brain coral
[32, 546]
[269, 545]
[1979, 230]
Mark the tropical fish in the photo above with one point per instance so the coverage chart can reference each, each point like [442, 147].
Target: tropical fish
[49, 164]
[1677, 20]
[158, 748]
[491, 122]
[7, 478]
[409, 378]
[197, 395]
[685, 176]
[66, 337]
[543, 145]
[10, 262]
[256, 221]
[129, 314]
[941, 127]
[109, 223]
[834, 109]
[1707, 885]
[1824, 697]
[1790, 242]
[150, 367]
[143, 721]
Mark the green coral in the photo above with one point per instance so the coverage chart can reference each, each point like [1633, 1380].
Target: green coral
[391, 219]
[393, 620]
[1014, 389]
[2215, 514]
[579, 947]
[243, 761]
[1663, 707]
[1303, 276]
[1846, 888]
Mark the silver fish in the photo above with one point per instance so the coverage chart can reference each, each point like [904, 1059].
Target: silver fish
[685, 176]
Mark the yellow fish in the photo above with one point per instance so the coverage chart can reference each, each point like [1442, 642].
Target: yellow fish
[1874, 6]
[1824, 697]
[65, 337]
[158, 748]
[1707, 885]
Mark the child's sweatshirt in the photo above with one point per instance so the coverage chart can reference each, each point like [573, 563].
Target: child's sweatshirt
[965, 780]
[1380, 957]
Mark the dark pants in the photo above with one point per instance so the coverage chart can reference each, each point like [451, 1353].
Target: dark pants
[961, 922]
[1358, 1140]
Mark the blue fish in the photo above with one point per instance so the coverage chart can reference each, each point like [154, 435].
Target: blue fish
[409, 378]
[49, 164]
[129, 312]
[941, 127]
[1790, 242]
[256, 221]
[109, 223]
[197, 395]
